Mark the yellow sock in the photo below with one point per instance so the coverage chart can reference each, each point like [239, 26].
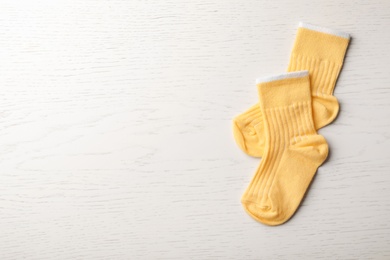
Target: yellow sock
[319, 50]
[293, 150]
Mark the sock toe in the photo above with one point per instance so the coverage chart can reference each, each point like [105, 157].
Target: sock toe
[238, 136]
[264, 214]
[247, 138]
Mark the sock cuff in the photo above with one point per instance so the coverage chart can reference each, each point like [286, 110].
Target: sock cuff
[320, 43]
[324, 30]
[284, 89]
[287, 75]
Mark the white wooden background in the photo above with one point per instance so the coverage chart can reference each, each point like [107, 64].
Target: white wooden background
[116, 141]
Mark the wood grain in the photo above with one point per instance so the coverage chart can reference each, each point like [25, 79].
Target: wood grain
[115, 130]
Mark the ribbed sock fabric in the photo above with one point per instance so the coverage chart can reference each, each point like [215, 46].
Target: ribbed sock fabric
[292, 153]
[319, 50]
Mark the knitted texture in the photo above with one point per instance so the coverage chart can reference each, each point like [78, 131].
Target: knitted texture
[292, 153]
[320, 51]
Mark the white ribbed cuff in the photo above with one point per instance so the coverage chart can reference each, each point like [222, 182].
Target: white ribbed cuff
[323, 30]
[287, 75]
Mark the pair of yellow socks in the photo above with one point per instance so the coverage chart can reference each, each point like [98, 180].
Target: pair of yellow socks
[281, 128]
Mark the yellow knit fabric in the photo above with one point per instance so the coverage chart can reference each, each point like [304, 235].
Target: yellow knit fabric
[320, 53]
[292, 153]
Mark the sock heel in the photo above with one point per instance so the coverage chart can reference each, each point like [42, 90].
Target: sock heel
[325, 110]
